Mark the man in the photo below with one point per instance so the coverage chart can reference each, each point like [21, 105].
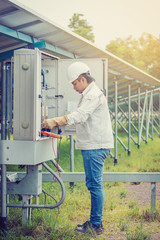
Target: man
[94, 137]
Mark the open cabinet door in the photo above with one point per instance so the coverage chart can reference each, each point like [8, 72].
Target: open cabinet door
[67, 97]
[27, 88]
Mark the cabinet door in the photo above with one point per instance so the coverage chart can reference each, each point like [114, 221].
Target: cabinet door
[27, 88]
[67, 97]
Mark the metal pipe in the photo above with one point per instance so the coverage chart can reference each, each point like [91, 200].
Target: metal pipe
[3, 219]
[115, 124]
[51, 206]
[156, 107]
[153, 196]
[146, 117]
[143, 127]
[25, 211]
[132, 124]
[9, 100]
[56, 165]
[129, 119]
[71, 157]
[155, 122]
[107, 176]
[71, 154]
[60, 182]
[155, 129]
[4, 100]
[143, 113]
[139, 121]
[149, 115]
[159, 113]
[120, 141]
[129, 99]
[120, 123]
[3, 222]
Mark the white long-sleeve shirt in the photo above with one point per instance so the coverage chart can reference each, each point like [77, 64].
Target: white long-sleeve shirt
[92, 120]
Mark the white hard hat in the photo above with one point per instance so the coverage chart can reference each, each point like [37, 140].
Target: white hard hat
[76, 69]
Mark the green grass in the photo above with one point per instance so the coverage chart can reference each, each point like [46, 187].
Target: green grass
[144, 159]
[122, 217]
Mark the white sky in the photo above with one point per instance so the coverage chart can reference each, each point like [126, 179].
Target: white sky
[110, 18]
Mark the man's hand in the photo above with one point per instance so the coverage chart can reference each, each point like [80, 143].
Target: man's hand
[54, 122]
[48, 123]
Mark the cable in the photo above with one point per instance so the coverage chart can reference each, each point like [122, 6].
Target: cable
[58, 159]
[45, 193]
[53, 149]
[60, 182]
[58, 162]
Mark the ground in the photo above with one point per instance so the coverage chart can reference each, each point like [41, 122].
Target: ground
[142, 193]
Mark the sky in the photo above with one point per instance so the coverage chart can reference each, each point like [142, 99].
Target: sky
[110, 19]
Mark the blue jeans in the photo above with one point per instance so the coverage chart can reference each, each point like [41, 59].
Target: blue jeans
[93, 161]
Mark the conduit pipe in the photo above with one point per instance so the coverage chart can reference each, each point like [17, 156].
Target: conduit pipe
[45, 206]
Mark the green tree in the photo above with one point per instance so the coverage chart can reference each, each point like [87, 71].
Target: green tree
[80, 26]
[149, 51]
[143, 53]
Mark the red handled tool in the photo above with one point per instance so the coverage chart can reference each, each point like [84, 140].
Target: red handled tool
[49, 134]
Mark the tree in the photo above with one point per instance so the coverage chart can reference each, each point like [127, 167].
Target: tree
[81, 27]
[149, 51]
[143, 53]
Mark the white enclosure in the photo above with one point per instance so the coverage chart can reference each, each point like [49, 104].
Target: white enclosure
[41, 90]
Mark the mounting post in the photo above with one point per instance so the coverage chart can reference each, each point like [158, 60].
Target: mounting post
[115, 123]
[153, 196]
[26, 212]
[129, 119]
[71, 157]
[3, 218]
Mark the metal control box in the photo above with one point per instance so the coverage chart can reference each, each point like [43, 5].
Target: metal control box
[34, 99]
[18, 152]
[42, 90]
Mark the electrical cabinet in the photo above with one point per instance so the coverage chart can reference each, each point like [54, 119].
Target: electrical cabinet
[42, 90]
[34, 99]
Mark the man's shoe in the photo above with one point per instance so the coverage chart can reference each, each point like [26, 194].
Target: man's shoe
[89, 226]
[83, 227]
[98, 229]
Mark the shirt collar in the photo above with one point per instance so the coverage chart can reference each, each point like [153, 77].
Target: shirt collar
[88, 88]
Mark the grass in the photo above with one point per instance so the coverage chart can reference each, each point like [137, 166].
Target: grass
[122, 217]
[144, 159]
